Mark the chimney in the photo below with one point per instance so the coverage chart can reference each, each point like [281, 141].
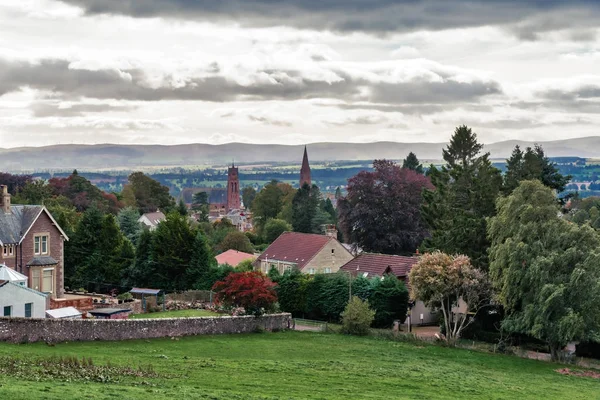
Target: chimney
[5, 199]
[331, 231]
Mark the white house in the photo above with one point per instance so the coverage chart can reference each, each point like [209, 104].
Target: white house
[20, 301]
[151, 220]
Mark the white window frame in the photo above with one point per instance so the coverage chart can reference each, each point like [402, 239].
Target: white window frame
[311, 271]
[44, 289]
[11, 250]
[327, 270]
[4, 251]
[39, 242]
[37, 245]
[45, 243]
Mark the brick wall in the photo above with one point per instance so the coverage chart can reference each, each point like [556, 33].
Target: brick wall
[23, 330]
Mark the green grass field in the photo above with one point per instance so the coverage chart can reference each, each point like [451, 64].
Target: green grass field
[294, 365]
[176, 314]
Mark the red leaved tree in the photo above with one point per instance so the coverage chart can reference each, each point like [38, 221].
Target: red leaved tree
[382, 211]
[252, 290]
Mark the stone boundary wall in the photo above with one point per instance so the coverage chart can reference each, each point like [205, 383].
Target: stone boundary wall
[28, 330]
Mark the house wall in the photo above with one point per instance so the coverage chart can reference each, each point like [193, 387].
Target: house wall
[326, 259]
[428, 316]
[17, 297]
[55, 250]
[23, 330]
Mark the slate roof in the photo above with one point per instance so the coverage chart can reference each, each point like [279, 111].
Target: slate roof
[145, 291]
[233, 257]
[40, 261]
[294, 247]
[154, 217]
[380, 264]
[15, 224]
[109, 311]
[215, 195]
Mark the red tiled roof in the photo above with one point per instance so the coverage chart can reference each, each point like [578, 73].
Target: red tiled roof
[380, 264]
[294, 247]
[233, 257]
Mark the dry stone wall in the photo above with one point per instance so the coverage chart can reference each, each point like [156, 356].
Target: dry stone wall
[28, 330]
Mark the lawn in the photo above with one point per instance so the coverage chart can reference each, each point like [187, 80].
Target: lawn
[294, 365]
[176, 314]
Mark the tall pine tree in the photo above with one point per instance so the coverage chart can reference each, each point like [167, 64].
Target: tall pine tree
[412, 162]
[464, 196]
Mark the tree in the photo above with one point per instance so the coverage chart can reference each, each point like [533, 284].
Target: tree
[412, 162]
[291, 292]
[532, 164]
[182, 208]
[389, 299]
[236, 240]
[327, 206]
[200, 205]
[357, 317]
[172, 248]
[251, 290]
[248, 195]
[465, 192]
[544, 269]
[338, 193]
[245, 266]
[267, 204]
[381, 212]
[35, 192]
[304, 208]
[202, 259]
[128, 222]
[149, 194]
[14, 183]
[141, 272]
[275, 227]
[441, 281]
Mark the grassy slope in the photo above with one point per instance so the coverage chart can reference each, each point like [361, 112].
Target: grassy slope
[176, 314]
[302, 365]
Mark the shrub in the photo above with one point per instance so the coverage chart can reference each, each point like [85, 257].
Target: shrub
[251, 290]
[357, 317]
[125, 296]
[390, 300]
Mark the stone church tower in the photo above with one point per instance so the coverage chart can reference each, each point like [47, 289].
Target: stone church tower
[305, 171]
[233, 189]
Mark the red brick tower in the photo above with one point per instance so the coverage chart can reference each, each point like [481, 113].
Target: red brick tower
[305, 171]
[233, 189]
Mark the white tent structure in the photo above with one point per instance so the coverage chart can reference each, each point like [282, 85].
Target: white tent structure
[10, 275]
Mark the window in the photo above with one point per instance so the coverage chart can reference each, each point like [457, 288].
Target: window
[332, 251]
[311, 271]
[28, 309]
[5, 251]
[288, 267]
[327, 270]
[35, 279]
[40, 245]
[48, 280]
[7, 311]
[8, 250]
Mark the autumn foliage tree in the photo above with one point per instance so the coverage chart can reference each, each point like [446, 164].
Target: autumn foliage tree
[381, 212]
[252, 290]
[441, 281]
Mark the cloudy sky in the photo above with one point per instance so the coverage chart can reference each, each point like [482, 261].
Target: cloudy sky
[296, 71]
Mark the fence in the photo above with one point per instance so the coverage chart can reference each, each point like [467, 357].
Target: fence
[300, 324]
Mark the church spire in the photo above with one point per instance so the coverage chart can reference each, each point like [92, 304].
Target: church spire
[305, 171]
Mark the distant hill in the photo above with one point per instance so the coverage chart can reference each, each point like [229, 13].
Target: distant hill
[115, 156]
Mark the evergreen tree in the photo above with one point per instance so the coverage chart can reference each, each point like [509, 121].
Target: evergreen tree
[129, 224]
[141, 272]
[327, 206]
[532, 164]
[412, 162]
[465, 192]
[201, 261]
[149, 194]
[267, 204]
[304, 208]
[338, 193]
[248, 195]
[200, 205]
[182, 208]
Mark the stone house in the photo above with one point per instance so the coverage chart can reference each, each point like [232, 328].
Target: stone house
[310, 253]
[32, 243]
[369, 265]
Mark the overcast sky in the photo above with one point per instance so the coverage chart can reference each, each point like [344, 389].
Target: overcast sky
[296, 71]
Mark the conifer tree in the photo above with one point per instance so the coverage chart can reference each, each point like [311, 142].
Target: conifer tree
[412, 162]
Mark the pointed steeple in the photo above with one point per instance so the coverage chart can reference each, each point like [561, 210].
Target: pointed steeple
[305, 170]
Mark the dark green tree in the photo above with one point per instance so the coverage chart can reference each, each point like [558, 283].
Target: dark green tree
[182, 208]
[412, 162]
[236, 240]
[200, 205]
[532, 164]
[465, 192]
[304, 209]
[149, 194]
[389, 299]
[267, 204]
[291, 292]
[202, 260]
[141, 273]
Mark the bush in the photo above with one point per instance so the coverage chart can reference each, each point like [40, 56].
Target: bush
[251, 290]
[125, 296]
[357, 317]
[390, 300]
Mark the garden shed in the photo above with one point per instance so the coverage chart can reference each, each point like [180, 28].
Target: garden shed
[146, 294]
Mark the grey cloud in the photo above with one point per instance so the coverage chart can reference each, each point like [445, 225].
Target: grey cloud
[56, 77]
[359, 120]
[528, 18]
[76, 110]
[268, 121]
